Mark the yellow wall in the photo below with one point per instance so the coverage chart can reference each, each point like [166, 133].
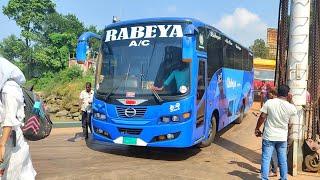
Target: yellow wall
[259, 63]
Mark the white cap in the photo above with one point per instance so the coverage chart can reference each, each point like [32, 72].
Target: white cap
[10, 71]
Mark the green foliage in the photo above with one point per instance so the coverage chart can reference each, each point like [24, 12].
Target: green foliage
[58, 23]
[49, 80]
[71, 73]
[259, 49]
[42, 83]
[60, 30]
[67, 84]
[12, 48]
[29, 15]
[47, 37]
[51, 58]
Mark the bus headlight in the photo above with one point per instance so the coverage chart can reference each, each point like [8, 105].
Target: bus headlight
[175, 119]
[165, 119]
[99, 116]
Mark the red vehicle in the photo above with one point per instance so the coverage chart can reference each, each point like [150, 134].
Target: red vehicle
[264, 71]
[261, 75]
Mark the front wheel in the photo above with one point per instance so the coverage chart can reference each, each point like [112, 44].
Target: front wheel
[212, 133]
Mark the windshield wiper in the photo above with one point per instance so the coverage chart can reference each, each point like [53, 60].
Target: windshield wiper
[156, 95]
[160, 100]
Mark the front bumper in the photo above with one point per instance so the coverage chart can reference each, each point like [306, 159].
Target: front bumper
[145, 134]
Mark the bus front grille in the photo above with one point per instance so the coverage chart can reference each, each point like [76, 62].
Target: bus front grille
[131, 112]
[130, 131]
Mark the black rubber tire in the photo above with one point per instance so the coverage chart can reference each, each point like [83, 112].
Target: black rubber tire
[212, 134]
[86, 134]
[311, 163]
[241, 117]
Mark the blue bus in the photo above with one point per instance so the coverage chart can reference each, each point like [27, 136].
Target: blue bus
[167, 82]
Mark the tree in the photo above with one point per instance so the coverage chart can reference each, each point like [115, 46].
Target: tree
[48, 38]
[13, 48]
[58, 40]
[29, 15]
[259, 49]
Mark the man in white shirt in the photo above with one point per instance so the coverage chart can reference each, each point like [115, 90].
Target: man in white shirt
[276, 115]
[86, 97]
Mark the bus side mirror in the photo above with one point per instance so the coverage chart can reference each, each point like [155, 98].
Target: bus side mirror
[190, 30]
[187, 49]
[81, 53]
[188, 43]
[82, 46]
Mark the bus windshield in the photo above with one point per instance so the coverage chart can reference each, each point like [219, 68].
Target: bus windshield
[263, 74]
[131, 66]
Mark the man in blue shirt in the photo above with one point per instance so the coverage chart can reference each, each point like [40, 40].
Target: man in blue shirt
[181, 76]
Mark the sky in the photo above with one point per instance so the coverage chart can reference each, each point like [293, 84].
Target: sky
[243, 20]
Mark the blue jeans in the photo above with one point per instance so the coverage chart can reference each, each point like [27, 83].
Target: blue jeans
[267, 150]
[274, 162]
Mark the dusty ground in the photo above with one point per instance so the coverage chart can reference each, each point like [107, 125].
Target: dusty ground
[234, 155]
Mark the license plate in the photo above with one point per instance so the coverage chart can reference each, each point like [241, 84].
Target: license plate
[129, 141]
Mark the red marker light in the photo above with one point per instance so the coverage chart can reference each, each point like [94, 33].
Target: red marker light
[131, 102]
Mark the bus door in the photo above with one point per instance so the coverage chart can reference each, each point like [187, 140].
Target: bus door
[201, 99]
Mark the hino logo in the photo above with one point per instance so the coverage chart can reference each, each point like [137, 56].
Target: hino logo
[130, 112]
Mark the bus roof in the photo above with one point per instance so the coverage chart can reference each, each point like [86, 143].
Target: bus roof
[195, 22]
[147, 20]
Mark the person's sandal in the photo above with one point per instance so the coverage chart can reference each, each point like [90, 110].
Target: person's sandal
[272, 174]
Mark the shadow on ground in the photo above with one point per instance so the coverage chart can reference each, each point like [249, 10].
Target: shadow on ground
[166, 154]
[246, 166]
[244, 152]
[244, 175]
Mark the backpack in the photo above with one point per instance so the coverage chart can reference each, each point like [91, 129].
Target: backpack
[37, 123]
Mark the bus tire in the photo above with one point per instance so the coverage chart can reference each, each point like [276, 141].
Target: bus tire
[212, 133]
[241, 117]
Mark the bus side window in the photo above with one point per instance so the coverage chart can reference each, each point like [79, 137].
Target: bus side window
[228, 56]
[238, 57]
[215, 56]
[202, 39]
[201, 80]
[246, 60]
[250, 62]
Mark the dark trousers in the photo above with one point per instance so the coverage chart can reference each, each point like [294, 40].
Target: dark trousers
[86, 121]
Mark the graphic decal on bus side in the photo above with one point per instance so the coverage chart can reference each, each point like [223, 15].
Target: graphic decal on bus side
[175, 107]
[143, 32]
[231, 83]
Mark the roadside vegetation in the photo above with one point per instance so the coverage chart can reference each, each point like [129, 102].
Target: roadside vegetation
[61, 91]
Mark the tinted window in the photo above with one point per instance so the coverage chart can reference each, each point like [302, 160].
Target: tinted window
[215, 53]
[238, 57]
[228, 56]
[250, 62]
[245, 60]
[129, 67]
[202, 39]
[201, 80]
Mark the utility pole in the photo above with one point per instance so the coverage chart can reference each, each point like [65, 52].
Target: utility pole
[298, 72]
